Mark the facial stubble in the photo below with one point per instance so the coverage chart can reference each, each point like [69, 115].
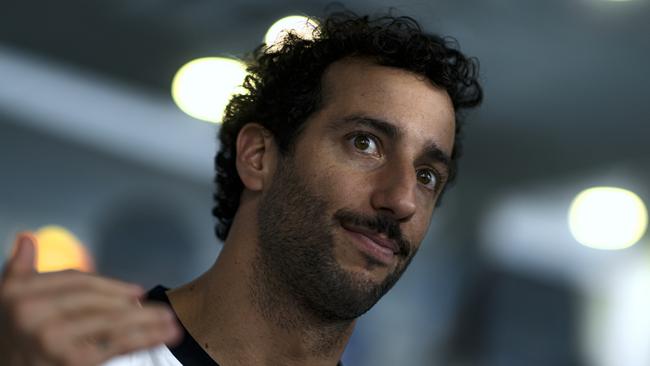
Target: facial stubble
[297, 274]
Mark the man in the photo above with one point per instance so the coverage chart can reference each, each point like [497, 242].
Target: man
[329, 170]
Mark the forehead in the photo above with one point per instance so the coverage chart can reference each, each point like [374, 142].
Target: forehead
[355, 86]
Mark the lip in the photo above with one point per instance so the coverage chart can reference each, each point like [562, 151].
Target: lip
[380, 248]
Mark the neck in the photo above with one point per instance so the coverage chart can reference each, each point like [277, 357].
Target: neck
[242, 317]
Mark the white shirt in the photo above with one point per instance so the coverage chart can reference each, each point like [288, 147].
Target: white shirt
[157, 356]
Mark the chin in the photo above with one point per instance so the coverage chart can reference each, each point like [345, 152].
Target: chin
[363, 271]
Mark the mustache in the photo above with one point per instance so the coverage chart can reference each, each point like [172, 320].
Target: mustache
[381, 224]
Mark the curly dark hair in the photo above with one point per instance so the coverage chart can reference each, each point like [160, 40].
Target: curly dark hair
[283, 86]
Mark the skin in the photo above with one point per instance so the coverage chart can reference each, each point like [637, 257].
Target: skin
[346, 178]
[43, 317]
[72, 318]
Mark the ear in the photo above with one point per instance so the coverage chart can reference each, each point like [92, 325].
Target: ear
[256, 156]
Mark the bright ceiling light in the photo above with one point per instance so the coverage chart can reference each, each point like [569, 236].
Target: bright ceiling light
[203, 87]
[608, 218]
[303, 26]
[58, 249]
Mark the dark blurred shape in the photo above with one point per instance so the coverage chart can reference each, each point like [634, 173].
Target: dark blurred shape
[144, 240]
[508, 319]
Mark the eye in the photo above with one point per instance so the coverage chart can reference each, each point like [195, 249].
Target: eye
[428, 178]
[365, 143]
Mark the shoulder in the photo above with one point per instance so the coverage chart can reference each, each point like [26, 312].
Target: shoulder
[157, 356]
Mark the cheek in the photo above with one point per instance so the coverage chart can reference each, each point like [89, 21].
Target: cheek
[343, 186]
[338, 174]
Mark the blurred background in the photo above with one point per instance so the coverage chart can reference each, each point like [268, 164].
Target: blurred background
[538, 256]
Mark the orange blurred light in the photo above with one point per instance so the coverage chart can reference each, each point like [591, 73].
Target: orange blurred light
[58, 249]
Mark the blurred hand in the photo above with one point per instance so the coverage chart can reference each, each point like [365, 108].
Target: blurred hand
[72, 318]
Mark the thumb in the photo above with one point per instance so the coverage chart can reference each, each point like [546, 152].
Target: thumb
[23, 261]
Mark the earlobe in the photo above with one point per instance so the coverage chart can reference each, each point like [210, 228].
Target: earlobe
[254, 155]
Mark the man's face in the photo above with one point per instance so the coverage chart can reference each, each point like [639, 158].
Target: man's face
[346, 212]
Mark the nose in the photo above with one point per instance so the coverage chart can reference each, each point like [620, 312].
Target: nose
[395, 191]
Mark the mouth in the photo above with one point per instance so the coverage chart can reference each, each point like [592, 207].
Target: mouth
[377, 246]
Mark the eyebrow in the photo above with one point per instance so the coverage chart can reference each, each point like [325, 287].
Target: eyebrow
[431, 152]
[377, 124]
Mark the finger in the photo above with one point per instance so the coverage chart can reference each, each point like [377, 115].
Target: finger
[23, 261]
[71, 307]
[59, 283]
[111, 335]
[161, 328]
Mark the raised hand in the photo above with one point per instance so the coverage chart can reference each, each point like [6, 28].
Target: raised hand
[72, 318]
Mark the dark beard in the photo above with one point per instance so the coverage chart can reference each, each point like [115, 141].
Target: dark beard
[296, 255]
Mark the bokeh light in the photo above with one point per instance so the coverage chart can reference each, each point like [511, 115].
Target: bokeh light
[608, 218]
[301, 25]
[203, 87]
[58, 249]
